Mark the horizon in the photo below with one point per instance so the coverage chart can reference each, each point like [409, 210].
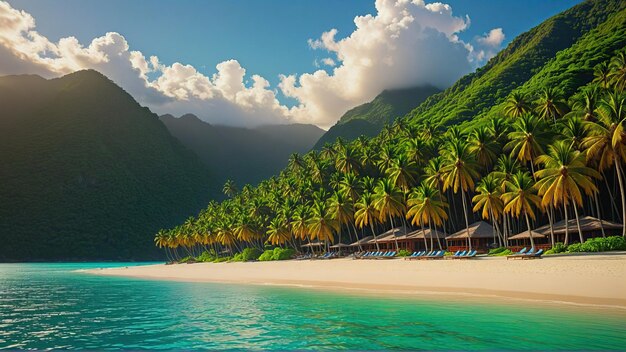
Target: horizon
[233, 80]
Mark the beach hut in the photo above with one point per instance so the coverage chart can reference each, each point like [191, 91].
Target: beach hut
[341, 247]
[591, 227]
[480, 233]
[433, 239]
[387, 240]
[522, 239]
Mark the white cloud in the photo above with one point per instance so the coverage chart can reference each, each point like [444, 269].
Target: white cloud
[404, 44]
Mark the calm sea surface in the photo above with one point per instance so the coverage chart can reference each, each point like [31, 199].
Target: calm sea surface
[46, 306]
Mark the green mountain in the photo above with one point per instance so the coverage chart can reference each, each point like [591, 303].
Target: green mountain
[368, 119]
[87, 173]
[245, 155]
[560, 52]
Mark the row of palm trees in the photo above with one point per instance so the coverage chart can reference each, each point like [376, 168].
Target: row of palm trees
[541, 160]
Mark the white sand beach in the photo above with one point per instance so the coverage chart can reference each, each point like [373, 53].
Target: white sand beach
[588, 279]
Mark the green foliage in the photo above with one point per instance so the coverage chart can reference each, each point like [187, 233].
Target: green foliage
[599, 244]
[221, 259]
[559, 247]
[282, 254]
[186, 259]
[497, 250]
[505, 252]
[206, 256]
[404, 253]
[267, 255]
[237, 258]
[250, 254]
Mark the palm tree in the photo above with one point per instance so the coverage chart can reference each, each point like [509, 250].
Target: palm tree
[562, 179]
[403, 172]
[607, 139]
[520, 198]
[322, 225]
[230, 189]
[483, 144]
[585, 105]
[601, 75]
[516, 105]
[341, 210]
[618, 70]
[426, 206]
[489, 190]
[277, 231]
[459, 173]
[366, 214]
[389, 201]
[347, 160]
[551, 105]
[526, 140]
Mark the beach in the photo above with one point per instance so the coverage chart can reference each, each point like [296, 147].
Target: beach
[581, 279]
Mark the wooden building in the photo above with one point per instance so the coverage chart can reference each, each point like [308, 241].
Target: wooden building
[480, 233]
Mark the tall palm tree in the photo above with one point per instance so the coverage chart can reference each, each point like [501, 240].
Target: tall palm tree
[484, 146]
[551, 105]
[322, 225]
[230, 188]
[520, 198]
[389, 201]
[585, 105]
[527, 138]
[617, 74]
[403, 172]
[277, 231]
[563, 177]
[601, 75]
[341, 210]
[426, 206]
[347, 159]
[459, 173]
[516, 105]
[606, 143]
[487, 199]
[367, 214]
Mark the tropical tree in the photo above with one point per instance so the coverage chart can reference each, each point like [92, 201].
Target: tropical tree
[520, 198]
[516, 105]
[564, 176]
[483, 144]
[459, 173]
[487, 199]
[367, 214]
[606, 143]
[426, 206]
[551, 105]
[617, 74]
[230, 188]
[527, 139]
[389, 201]
[322, 225]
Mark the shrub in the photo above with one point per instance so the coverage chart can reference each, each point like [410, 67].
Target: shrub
[404, 253]
[282, 254]
[222, 259]
[599, 244]
[185, 259]
[238, 257]
[497, 251]
[250, 254]
[502, 253]
[206, 257]
[267, 255]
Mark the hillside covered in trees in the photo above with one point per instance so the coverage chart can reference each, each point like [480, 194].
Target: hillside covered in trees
[534, 137]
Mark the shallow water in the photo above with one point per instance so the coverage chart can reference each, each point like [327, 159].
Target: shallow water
[47, 305]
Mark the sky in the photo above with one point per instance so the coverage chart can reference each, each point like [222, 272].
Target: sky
[246, 63]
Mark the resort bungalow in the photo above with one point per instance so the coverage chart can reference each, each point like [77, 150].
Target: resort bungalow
[522, 239]
[591, 227]
[387, 240]
[480, 233]
[416, 239]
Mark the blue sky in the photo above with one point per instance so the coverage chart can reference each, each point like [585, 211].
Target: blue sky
[251, 62]
[267, 37]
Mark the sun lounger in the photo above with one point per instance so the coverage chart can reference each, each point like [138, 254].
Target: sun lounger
[458, 254]
[434, 255]
[388, 255]
[471, 254]
[518, 254]
[415, 255]
[535, 255]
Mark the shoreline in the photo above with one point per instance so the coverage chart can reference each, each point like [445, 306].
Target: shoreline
[598, 280]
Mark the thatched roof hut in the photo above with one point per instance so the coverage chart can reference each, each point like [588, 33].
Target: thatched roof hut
[587, 224]
[524, 235]
[340, 245]
[313, 244]
[478, 229]
[392, 235]
[419, 234]
[362, 241]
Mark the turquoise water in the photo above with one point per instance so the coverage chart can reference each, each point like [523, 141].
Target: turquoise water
[46, 306]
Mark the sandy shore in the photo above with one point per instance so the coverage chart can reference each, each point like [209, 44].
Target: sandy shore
[591, 279]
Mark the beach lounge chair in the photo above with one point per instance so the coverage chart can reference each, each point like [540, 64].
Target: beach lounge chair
[415, 255]
[533, 255]
[458, 254]
[471, 254]
[518, 254]
[389, 255]
[434, 255]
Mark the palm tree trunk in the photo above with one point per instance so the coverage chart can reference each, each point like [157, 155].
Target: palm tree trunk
[431, 231]
[551, 222]
[614, 210]
[424, 234]
[580, 232]
[595, 197]
[530, 234]
[618, 168]
[469, 240]
[357, 236]
[374, 234]
[393, 233]
[566, 224]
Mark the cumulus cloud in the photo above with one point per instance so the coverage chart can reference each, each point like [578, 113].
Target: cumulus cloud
[405, 43]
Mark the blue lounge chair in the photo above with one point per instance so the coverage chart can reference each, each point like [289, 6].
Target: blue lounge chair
[470, 254]
[521, 254]
[533, 255]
